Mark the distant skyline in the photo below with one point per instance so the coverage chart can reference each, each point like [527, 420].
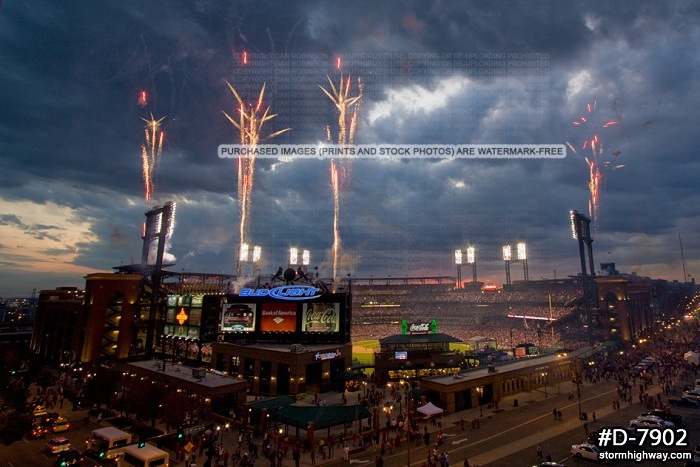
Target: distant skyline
[79, 78]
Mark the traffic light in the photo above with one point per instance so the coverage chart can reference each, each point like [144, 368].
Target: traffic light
[180, 433]
[102, 454]
[142, 444]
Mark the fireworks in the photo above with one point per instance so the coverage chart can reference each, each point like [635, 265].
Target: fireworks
[596, 162]
[150, 153]
[340, 96]
[250, 122]
[143, 99]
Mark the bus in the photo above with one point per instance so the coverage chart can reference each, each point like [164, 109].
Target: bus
[146, 456]
[110, 441]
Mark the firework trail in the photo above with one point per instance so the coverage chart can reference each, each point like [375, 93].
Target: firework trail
[595, 161]
[250, 122]
[340, 96]
[150, 153]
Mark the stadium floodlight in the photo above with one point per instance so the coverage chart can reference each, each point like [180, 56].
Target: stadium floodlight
[293, 256]
[507, 254]
[243, 252]
[471, 255]
[574, 224]
[522, 251]
[458, 257]
[257, 253]
[305, 257]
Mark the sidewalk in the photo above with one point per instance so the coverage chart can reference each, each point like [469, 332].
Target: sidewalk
[450, 428]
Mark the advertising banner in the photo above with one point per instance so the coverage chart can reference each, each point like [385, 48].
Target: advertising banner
[278, 317]
[321, 317]
[238, 317]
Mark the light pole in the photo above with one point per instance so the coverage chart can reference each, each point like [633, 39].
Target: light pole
[471, 259]
[522, 257]
[544, 375]
[480, 394]
[507, 256]
[458, 263]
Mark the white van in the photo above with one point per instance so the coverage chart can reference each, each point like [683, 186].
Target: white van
[110, 441]
[147, 456]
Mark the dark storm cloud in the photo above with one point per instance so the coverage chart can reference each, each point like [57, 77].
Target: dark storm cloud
[71, 128]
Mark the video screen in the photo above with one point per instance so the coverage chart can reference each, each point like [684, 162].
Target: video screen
[238, 317]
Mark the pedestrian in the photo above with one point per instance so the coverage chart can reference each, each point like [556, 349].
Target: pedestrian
[585, 427]
[346, 452]
[554, 412]
[296, 455]
[226, 456]
[466, 462]
[461, 422]
[593, 413]
[549, 457]
[539, 451]
[313, 456]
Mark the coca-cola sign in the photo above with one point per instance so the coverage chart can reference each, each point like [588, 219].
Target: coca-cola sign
[419, 328]
[321, 317]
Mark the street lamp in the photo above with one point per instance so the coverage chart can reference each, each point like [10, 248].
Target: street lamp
[544, 376]
[480, 394]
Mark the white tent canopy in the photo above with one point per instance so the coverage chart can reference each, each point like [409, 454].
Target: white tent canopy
[692, 357]
[430, 410]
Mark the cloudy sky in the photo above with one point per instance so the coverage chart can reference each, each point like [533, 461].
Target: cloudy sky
[434, 72]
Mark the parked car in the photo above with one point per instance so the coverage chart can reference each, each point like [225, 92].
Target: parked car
[39, 410]
[59, 425]
[56, 445]
[694, 394]
[684, 402]
[585, 451]
[650, 421]
[677, 420]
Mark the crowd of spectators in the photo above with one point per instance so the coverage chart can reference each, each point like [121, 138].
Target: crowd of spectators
[379, 309]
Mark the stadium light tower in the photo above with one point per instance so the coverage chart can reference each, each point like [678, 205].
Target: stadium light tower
[471, 259]
[581, 231]
[507, 257]
[299, 257]
[458, 262]
[243, 252]
[522, 257]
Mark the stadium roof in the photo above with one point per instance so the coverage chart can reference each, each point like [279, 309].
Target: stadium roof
[436, 338]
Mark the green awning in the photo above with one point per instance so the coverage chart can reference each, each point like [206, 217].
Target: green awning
[321, 416]
[271, 403]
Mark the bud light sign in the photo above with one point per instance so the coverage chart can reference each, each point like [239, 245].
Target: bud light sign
[285, 292]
